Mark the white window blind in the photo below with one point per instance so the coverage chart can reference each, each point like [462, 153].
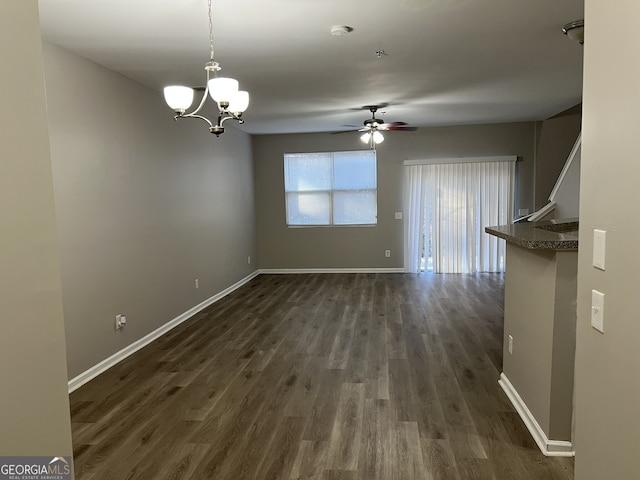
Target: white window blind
[331, 188]
[448, 205]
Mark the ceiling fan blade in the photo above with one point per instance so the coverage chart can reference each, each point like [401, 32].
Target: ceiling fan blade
[394, 124]
[344, 131]
[369, 107]
[399, 128]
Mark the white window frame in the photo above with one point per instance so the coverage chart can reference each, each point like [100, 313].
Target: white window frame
[331, 191]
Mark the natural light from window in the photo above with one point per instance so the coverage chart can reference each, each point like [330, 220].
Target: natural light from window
[331, 188]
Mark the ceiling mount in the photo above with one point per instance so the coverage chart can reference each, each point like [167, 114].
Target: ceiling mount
[373, 122]
[574, 30]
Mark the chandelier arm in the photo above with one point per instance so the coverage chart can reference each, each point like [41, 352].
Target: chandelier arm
[192, 115]
[223, 117]
[204, 95]
[204, 98]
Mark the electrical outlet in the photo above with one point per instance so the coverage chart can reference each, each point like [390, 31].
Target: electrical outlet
[387, 253]
[249, 260]
[197, 283]
[510, 344]
[121, 321]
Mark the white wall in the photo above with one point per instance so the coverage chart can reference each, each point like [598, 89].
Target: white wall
[145, 206]
[608, 365]
[34, 406]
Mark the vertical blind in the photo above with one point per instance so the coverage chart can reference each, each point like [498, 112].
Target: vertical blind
[448, 206]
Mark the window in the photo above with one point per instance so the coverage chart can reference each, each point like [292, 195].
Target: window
[332, 188]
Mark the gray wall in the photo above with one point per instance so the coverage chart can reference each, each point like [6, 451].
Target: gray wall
[567, 195]
[34, 406]
[539, 313]
[363, 247]
[607, 365]
[556, 137]
[145, 205]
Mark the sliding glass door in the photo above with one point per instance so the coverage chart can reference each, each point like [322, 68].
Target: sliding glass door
[448, 206]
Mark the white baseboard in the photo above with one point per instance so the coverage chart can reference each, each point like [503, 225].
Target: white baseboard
[550, 448]
[270, 271]
[117, 357]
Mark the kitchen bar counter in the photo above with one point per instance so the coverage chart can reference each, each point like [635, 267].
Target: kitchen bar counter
[540, 235]
[539, 327]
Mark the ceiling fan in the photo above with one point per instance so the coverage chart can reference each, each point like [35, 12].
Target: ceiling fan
[373, 126]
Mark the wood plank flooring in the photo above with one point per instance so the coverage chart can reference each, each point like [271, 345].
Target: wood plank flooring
[317, 376]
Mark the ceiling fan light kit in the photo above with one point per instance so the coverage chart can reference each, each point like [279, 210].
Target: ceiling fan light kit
[374, 126]
[374, 138]
[231, 101]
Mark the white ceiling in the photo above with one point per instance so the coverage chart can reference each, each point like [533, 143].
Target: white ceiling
[448, 61]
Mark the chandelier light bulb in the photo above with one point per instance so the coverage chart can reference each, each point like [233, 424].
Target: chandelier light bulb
[366, 137]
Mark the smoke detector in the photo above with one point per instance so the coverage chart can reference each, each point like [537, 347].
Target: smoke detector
[339, 30]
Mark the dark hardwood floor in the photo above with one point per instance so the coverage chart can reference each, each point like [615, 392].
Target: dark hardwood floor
[318, 376]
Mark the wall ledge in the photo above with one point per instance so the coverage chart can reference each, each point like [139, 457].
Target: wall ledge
[550, 448]
[117, 357]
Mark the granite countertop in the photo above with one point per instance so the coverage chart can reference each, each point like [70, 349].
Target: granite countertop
[539, 235]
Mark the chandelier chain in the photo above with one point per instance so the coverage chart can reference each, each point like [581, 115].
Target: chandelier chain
[210, 32]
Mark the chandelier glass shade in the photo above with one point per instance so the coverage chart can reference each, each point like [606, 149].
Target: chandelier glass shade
[223, 90]
[239, 101]
[178, 97]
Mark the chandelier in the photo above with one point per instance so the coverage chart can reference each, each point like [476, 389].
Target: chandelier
[223, 90]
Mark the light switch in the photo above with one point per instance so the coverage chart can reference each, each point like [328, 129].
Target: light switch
[599, 247]
[597, 310]
[398, 215]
